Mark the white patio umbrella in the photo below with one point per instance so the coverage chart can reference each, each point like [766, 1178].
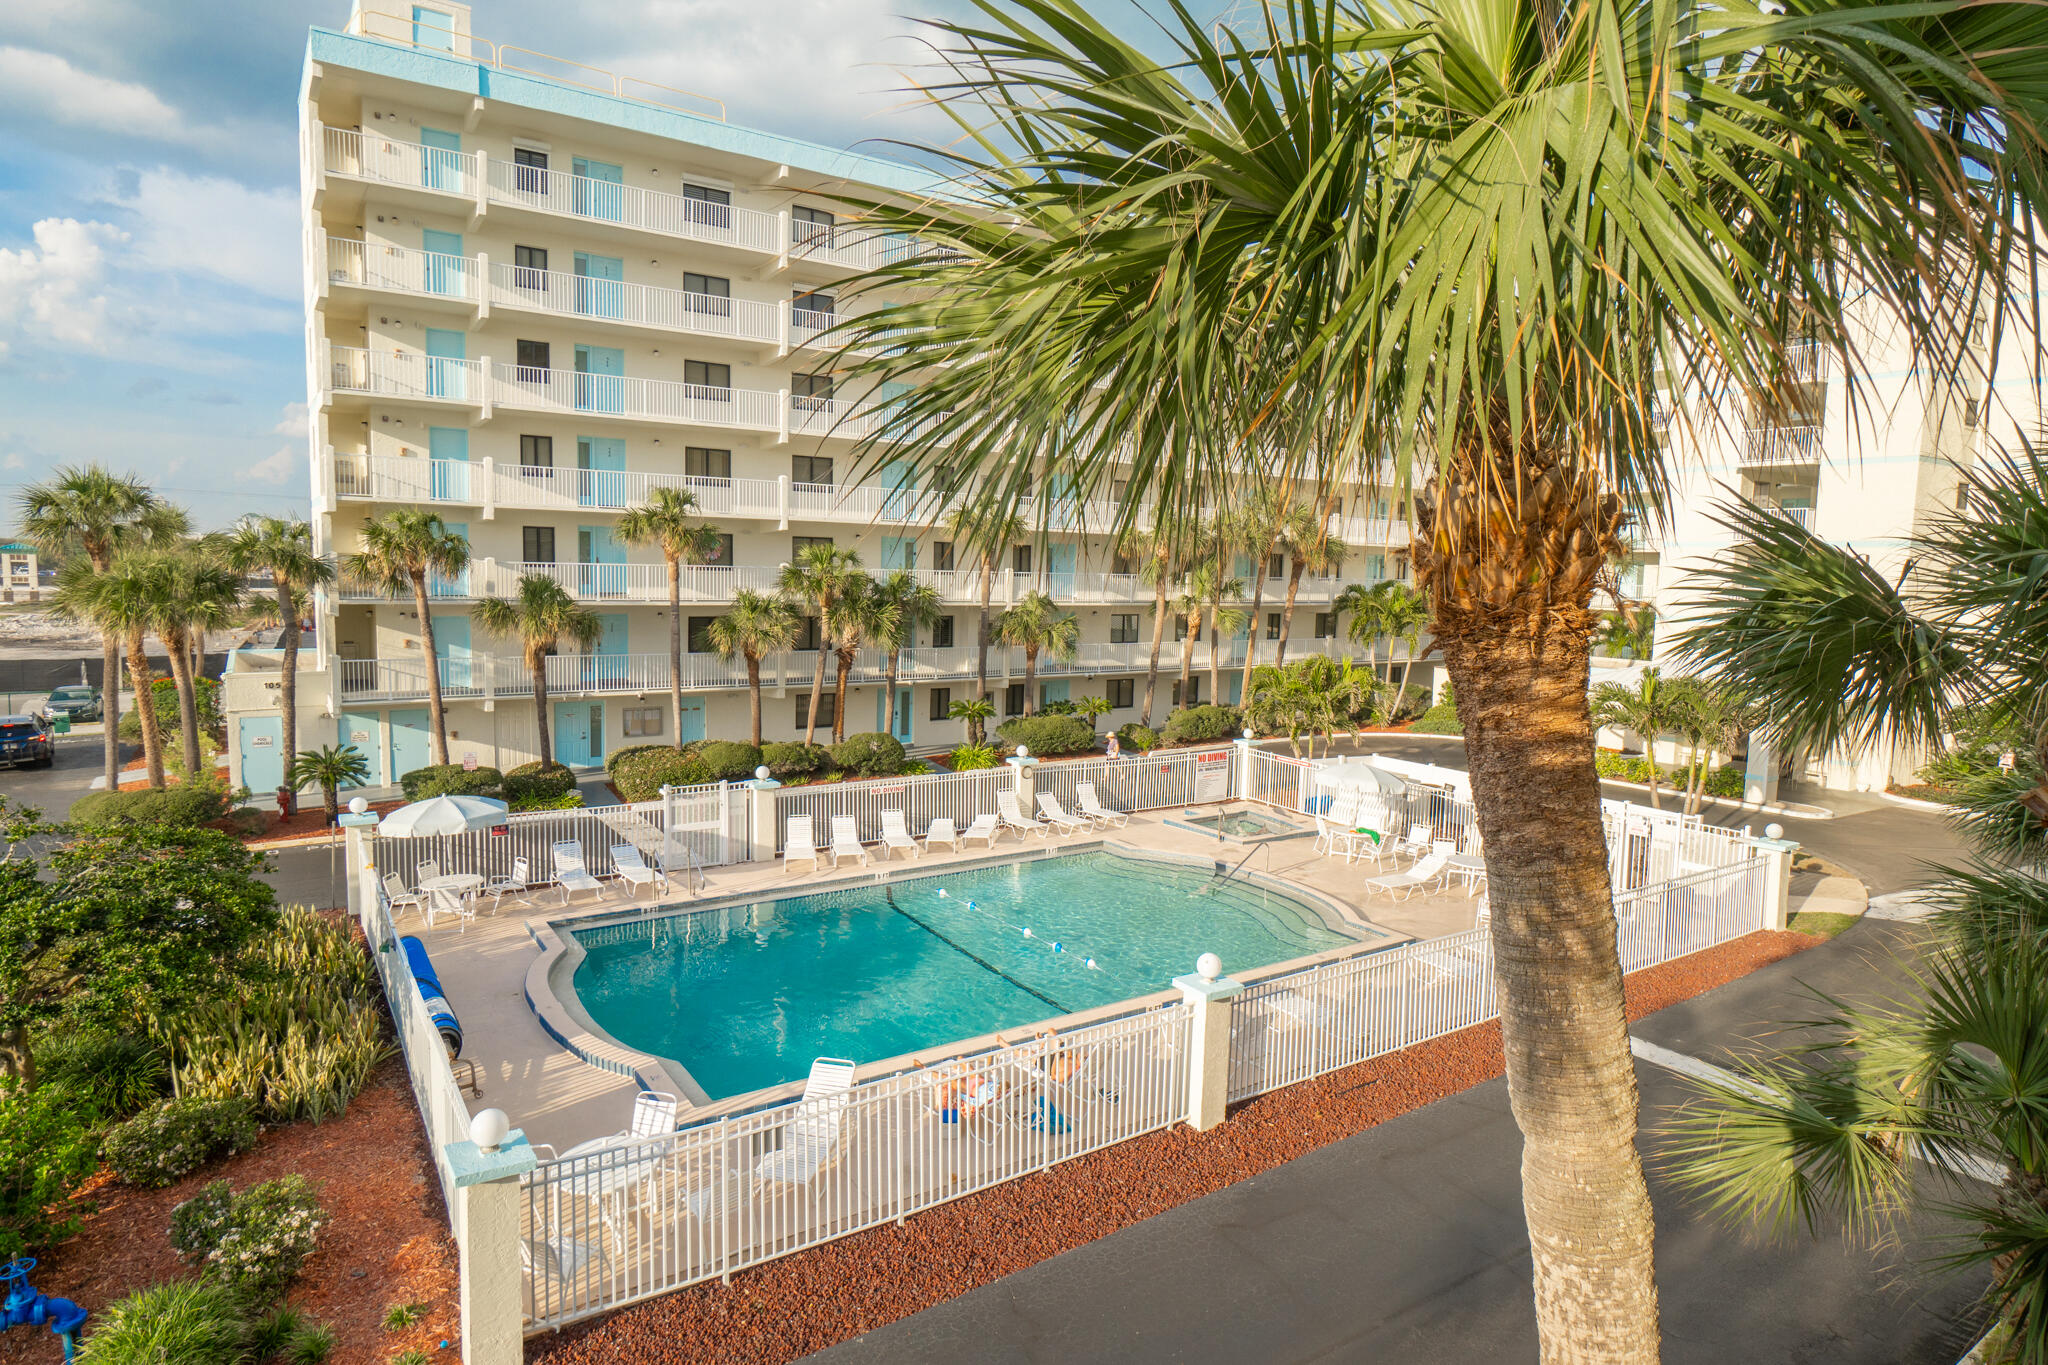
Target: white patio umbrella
[442, 815]
[1360, 775]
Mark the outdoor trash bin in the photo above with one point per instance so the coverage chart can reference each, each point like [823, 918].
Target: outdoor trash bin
[60, 724]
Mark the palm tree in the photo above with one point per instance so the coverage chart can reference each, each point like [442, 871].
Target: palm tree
[117, 603]
[400, 550]
[1215, 591]
[1310, 548]
[539, 614]
[283, 548]
[96, 512]
[1092, 707]
[1037, 623]
[1645, 709]
[753, 626]
[330, 768]
[976, 712]
[666, 520]
[187, 592]
[858, 616]
[816, 578]
[1480, 276]
[1258, 527]
[1630, 631]
[916, 606]
[1709, 716]
[987, 531]
[1385, 609]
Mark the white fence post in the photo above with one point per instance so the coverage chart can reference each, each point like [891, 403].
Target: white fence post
[1241, 768]
[492, 1280]
[761, 820]
[1024, 768]
[1208, 999]
[1777, 897]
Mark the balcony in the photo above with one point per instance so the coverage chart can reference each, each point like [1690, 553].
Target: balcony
[1781, 444]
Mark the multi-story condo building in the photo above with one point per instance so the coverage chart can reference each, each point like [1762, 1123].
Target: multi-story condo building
[535, 291]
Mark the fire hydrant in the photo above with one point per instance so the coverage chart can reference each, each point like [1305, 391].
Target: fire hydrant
[24, 1307]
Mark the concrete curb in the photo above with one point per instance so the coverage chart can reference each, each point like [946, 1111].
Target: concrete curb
[1915, 803]
[1796, 810]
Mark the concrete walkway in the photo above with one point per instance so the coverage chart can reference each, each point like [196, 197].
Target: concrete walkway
[1406, 1243]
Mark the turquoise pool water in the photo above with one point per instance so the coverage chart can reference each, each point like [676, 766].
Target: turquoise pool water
[747, 995]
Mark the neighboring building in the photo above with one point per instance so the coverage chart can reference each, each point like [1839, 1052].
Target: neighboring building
[531, 300]
[20, 579]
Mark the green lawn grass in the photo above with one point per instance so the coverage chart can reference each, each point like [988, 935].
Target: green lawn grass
[1821, 923]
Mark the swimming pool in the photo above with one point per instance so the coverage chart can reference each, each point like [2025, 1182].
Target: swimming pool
[745, 996]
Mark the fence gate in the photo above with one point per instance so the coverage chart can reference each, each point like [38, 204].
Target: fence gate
[707, 825]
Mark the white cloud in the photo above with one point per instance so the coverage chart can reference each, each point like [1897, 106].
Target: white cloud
[293, 423]
[55, 292]
[281, 466]
[35, 83]
[206, 225]
[13, 462]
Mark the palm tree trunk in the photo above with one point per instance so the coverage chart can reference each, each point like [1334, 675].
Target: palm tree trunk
[675, 645]
[1251, 639]
[889, 692]
[1187, 654]
[1287, 611]
[537, 664]
[845, 661]
[988, 586]
[145, 711]
[437, 717]
[1030, 679]
[754, 693]
[288, 683]
[110, 714]
[1571, 1081]
[1158, 638]
[1215, 664]
[188, 705]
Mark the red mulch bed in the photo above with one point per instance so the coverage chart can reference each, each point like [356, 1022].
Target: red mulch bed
[388, 1242]
[311, 819]
[803, 1303]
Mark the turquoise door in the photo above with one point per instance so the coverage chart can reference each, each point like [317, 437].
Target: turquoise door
[432, 28]
[889, 395]
[446, 380]
[261, 741]
[599, 462]
[612, 667]
[363, 731]
[1054, 691]
[579, 733]
[901, 481]
[693, 720]
[898, 552]
[1059, 571]
[410, 744]
[451, 647]
[441, 160]
[901, 720]
[601, 563]
[448, 454]
[456, 584]
[600, 379]
[444, 264]
[599, 191]
[599, 291]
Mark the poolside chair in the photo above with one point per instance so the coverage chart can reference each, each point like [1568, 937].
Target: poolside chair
[984, 828]
[969, 1102]
[401, 899]
[567, 1261]
[1092, 807]
[570, 873]
[1427, 874]
[846, 841]
[942, 831]
[1069, 825]
[811, 1137]
[1418, 840]
[441, 903]
[1482, 914]
[632, 869]
[514, 885]
[797, 844]
[654, 1114]
[895, 835]
[1013, 818]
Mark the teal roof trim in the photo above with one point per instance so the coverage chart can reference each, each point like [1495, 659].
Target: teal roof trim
[449, 72]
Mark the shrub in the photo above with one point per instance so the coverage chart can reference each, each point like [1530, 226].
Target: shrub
[1195, 724]
[1137, 738]
[645, 769]
[1063, 707]
[450, 779]
[1047, 736]
[530, 781]
[566, 801]
[729, 760]
[164, 1144]
[184, 806]
[795, 759]
[1729, 781]
[46, 1151]
[869, 755]
[247, 822]
[185, 1322]
[1413, 702]
[1620, 767]
[1442, 718]
[253, 1242]
[108, 1075]
[163, 694]
[972, 757]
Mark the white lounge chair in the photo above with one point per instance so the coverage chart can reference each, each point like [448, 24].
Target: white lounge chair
[401, 899]
[632, 869]
[570, 873]
[942, 831]
[441, 903]
[1092, 807]
[514, 885]
[1418, 840]
[846, 841]
[984, 828]
[1013, 818]
[811, 1138]
[895, 835]
[1426, 875]
[428, 869]
[1049, 806]
[798, 845]
[654, 1114]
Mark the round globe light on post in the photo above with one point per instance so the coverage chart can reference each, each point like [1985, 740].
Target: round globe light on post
[1023, 752]
[1208, 966]
[761, 773]
[1774, 831]
[489, 1129]
[356, 805]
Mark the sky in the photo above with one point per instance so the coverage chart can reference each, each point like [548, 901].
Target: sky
[150, 297]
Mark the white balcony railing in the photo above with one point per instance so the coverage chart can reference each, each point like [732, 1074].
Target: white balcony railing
[378, 265]
[1781, 444]
[673, 215]
[404, 374]
[655, 400]
[642, 305]
[389, 161]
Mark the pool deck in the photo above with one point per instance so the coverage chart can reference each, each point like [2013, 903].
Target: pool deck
[561, 1099]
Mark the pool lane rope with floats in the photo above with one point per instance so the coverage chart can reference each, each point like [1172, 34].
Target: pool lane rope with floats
[1054, 947]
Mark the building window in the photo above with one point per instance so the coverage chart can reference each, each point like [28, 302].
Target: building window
[1013, 699]
[721, 550]
[1400, 568]
[529, 265]
[1272, 625]
[942, 554]
[532, 175]
[811, 301]
[1972, 413]
[1121, 563]
[1020, 559]
[811, 469]
[702, 462]
[531, 355]
[1194, 697]
[639, 721]
[806, 634]
[1123, 628]
[699, 635]
[537, 544]
[798, 544]
[807, 225]
[707, 205]
[827, 710]
[537, 452]
[1123, 693]
[942, 633]
[942, 702]
[1326, 625]
[709, 374]
[810, 392]
[706, 296]
[717, 286]
[1276, 566]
